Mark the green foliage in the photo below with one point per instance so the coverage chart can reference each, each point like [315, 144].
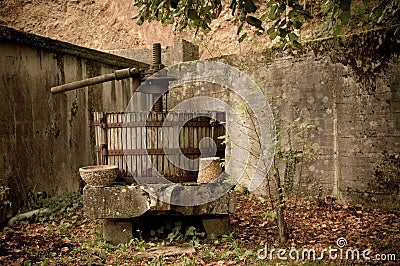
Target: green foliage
[299, 150]
[176, 232]
[287, 17]
[342, 14]
[3, 195]
[273, 19]
[269, 214]
[67, 204]
[191, 234]
[182, 13]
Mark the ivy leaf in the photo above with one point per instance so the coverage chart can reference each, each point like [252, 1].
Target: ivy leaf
[297, 24]
[159, 16]
[345, 17]
[291, 14]
[270, 3]
[253, 21]
[249, 6]
[280, 9]
[297, 45]
[273, 35]
[337, 30]
[297, 7]
[282, 33]
[233, 7]
[239, 28]
[205, 10]
[272, 13]
[345, 5]
[241, 39]
[270, 30]
[183, 25]
[167, 21]
[306, 14]
[264, 16]
[293, 37]
[192, 14]
[140, 21]
[174, 3]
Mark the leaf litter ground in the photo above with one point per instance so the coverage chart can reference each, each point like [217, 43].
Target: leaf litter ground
[69, 238]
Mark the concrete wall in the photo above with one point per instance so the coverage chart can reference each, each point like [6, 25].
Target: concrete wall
[349, 88]
[45, 138]
[181, 51]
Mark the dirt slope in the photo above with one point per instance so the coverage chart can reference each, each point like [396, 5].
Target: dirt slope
[108, 24]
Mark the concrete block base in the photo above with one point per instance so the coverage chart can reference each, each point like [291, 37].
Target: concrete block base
[216, 226]
[117, 231]
[126, 210]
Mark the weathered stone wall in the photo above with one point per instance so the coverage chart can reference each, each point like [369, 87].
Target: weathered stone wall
[349, 88]
[45, 138]
[181, 51]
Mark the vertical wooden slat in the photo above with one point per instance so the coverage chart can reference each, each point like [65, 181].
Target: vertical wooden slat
[147, 141]
[195, 143]
[154, 132]
[122, 140]
[143, 118]
[115, 139]
[96, 136]
[186, 138]
[138, 146]
[171, 146]
[165, 145]
[118, 141]
[160, 158]
[205, 132]
[176, 144]
[109, 137]
[103, 138]
[190, 140]
[114, 143]
[181, 143]
[133, 138]
[149, 138]
[126, 144]
[110, 144]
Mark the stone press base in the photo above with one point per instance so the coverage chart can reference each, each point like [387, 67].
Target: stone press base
[127, 211]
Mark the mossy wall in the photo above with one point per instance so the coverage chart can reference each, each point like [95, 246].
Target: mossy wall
[349, 88]
[45, 138]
